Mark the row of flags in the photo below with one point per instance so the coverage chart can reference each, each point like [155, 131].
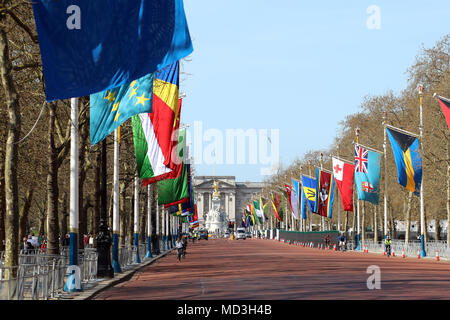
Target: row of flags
[125, 55]
[317, 193]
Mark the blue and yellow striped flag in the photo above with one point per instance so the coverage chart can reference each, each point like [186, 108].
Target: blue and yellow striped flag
[407, 158]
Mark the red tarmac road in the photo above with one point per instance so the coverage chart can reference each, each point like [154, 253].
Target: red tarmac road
[269, 270]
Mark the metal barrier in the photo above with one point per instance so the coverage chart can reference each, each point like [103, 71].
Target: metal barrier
[411, 249]
[42, 276]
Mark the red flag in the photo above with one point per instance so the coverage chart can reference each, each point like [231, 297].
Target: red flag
[343, 175]
[445, 104]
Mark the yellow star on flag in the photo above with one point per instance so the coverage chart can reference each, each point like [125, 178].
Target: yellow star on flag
[142, 99]
[115, 106]
[111, 96]
[133, 92]
[116, 117]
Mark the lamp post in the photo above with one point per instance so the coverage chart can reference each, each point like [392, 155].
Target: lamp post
[422, 210]
[103, 239]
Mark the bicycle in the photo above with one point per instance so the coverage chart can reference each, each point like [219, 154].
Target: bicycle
[388, 250]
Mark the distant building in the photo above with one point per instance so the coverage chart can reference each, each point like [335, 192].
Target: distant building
[234, 196]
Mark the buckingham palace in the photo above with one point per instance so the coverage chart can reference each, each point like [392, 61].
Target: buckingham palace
[234, 196]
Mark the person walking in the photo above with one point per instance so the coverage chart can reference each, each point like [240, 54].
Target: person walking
[179, 246]
[185, 243]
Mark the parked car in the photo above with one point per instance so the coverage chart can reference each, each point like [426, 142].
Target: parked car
[248, 234]
[203, 234]
[227, 234]
[241, 234]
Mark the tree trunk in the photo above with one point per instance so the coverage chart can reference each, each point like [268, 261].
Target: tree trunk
[375, 224]
[97, 191]
[2, 198]
[24, 213]
[437, 229]
[345, 222]
[82, 222]
[408, 219]
[363, 221]
[64, 214]
[131, 223]
[123, 217]
[52, 186]
[11, 154]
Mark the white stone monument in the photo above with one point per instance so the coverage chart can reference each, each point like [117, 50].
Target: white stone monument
[216, 221]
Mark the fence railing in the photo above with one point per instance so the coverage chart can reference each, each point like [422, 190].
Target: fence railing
[411, 249]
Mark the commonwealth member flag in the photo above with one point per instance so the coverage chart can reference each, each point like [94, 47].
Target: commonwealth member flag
[343, 174]
[367, 174]
[309, 187]
[325, 193]
[407, 158]
[445, 104]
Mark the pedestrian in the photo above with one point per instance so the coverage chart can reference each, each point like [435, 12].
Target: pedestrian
[24, 244]
[86, 240]
[179, 246]
[185, 243]
[91, 241]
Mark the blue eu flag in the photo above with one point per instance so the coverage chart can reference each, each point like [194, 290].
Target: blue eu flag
[91, 46]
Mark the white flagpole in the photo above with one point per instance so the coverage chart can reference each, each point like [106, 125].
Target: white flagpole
[385, 175]
[357, 204]
[422, 209]
[73, 283]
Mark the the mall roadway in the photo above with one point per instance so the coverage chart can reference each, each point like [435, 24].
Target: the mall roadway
[269, 270]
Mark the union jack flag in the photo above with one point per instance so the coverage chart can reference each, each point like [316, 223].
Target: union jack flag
[361, 159]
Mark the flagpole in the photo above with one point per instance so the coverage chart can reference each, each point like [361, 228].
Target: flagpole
[422, 209]
[357, 203]
[321, 168]
[72, 284]
[149, 222]
[158, 250]
[116, 221]
[338, 204]
[136, 216]
[385, 175]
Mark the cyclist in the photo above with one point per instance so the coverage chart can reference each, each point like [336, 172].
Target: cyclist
[387, 244]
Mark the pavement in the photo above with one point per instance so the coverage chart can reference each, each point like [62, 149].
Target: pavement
[91, 289]
[256, 269]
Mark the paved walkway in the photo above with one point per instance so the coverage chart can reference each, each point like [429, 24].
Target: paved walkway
[271, 270]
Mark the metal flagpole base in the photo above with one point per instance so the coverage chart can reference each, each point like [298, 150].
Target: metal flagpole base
[115, 254]
[73, 282]
[357, 243]
[149, 248]
[422, 246]
[136, 244]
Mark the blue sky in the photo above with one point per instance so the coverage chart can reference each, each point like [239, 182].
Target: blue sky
[287, 64]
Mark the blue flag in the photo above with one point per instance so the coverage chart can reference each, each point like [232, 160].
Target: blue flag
[407, 157]
[90, 46]
[110, 108]
[367, 174]
[303, 204]
[309, 189]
